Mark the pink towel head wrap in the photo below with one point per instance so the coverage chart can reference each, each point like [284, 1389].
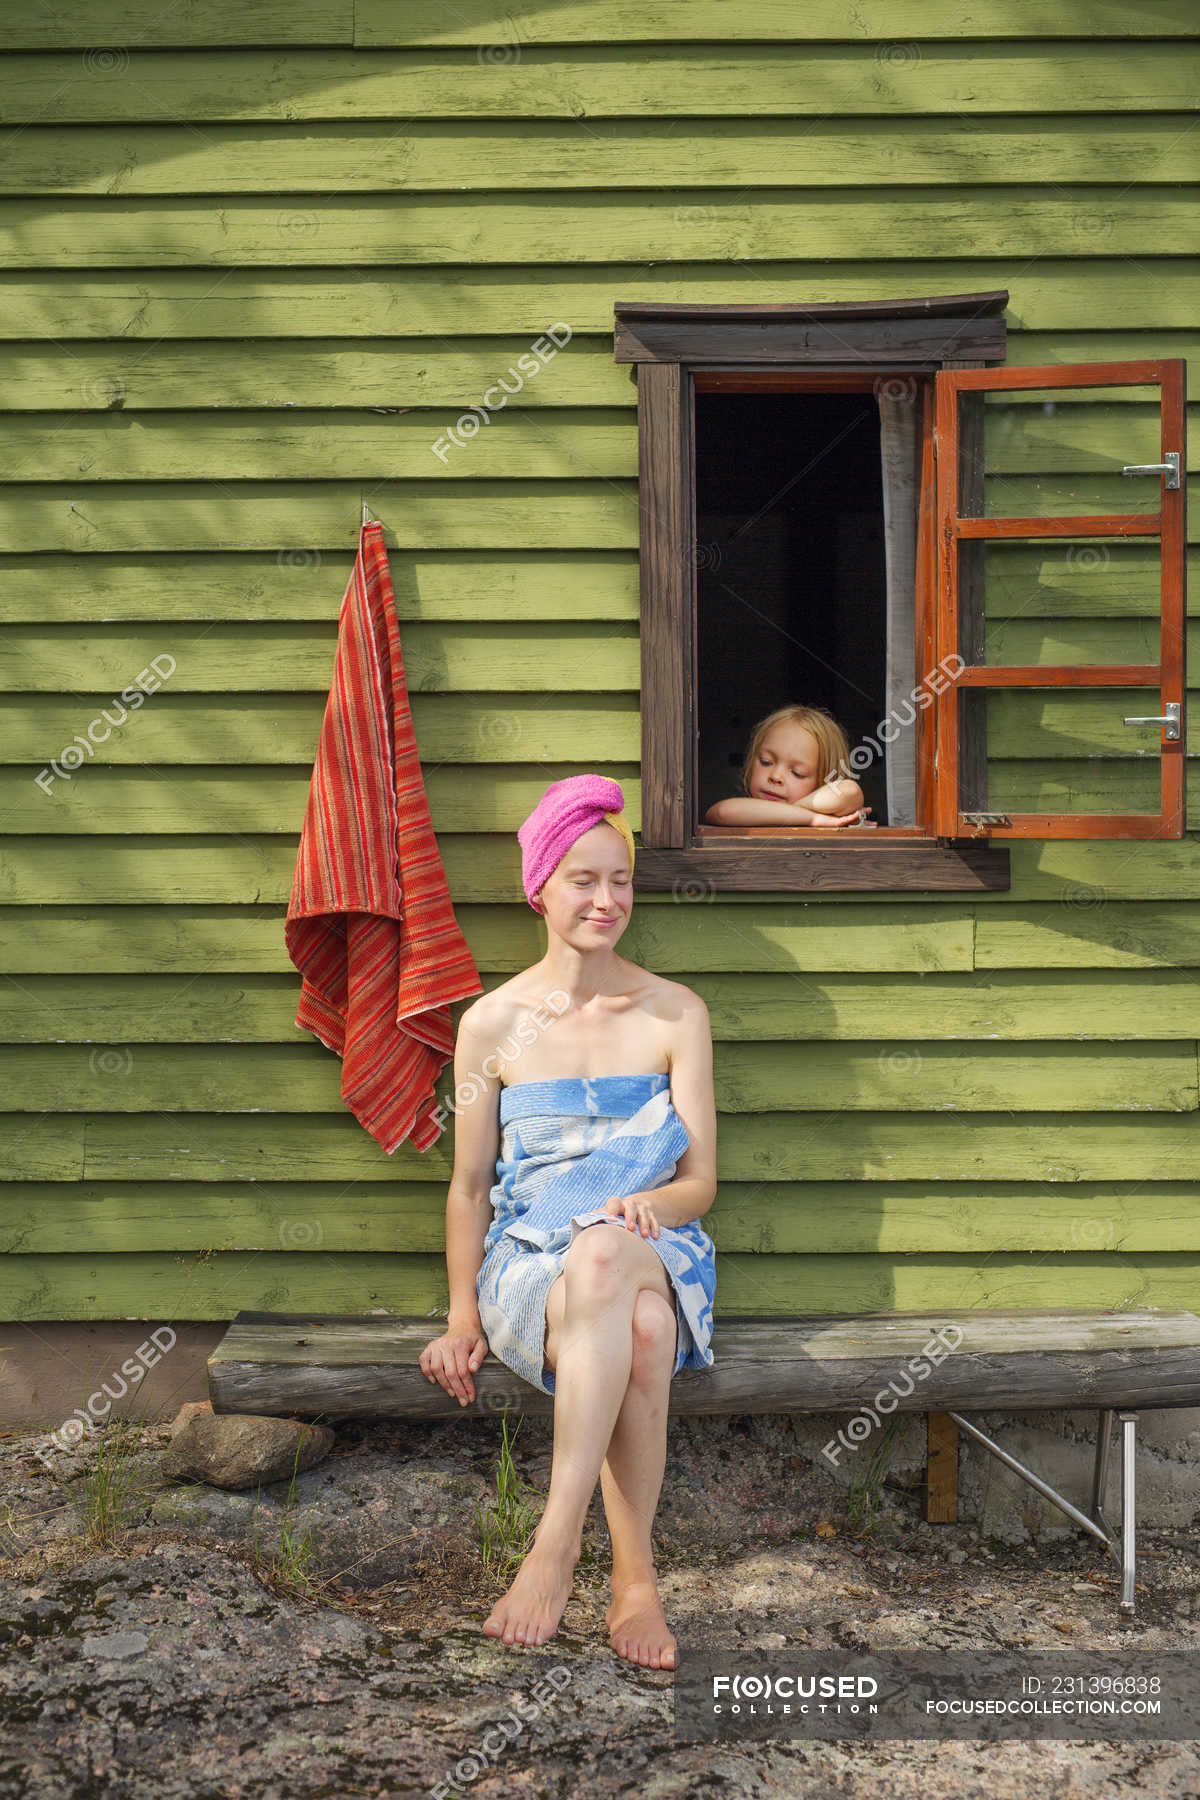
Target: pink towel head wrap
[565, 811]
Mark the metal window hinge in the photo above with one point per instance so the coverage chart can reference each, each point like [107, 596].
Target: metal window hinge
[986, 818]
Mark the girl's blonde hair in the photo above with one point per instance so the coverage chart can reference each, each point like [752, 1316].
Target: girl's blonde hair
[832, 744]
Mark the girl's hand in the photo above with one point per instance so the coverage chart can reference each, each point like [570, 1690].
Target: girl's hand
[637, 1214]
[451, 1361]
[851, 818]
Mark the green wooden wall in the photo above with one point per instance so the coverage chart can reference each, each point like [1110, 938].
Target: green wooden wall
[253, 260]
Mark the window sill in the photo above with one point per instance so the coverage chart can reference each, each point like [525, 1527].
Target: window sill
[733, 859]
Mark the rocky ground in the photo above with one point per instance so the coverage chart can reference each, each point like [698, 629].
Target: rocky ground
[322, 1638]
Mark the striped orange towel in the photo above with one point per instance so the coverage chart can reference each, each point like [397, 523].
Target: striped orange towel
[369, 924]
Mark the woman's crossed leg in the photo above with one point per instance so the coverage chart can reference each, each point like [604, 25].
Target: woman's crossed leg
[611, 1341]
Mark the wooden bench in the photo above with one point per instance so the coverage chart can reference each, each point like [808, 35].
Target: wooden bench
[868, 1365]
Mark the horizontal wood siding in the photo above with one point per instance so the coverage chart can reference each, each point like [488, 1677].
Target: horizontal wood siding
[254, 263]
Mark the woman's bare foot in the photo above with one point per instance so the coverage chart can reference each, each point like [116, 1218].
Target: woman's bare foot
[530, 1611]
[637, 1625]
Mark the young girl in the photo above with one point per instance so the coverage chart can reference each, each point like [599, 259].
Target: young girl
[592, 1104]
[794, 774]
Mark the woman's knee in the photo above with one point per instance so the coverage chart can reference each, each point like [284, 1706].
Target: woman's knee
[598, 1262]
[655, 1332]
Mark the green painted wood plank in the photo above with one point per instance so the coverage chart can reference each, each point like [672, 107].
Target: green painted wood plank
[1053, 495]
[1063, 1077]
[1045, 642]
[1017, 221]
[780, 936]
[596, 443]
[486, 869]
[1086, 875]
[41, 1146]
[1052, 294]
[73, 25]
[770, 1219]
[1092, 933]
[111, 801]
[1076, 580]
[1028, 350]
[722, 79]
[302, 519]
[283, 158]
[307, 444]
[1051, 725]
[1072, 787]
[511, 28]
[469, 585]
[462, 585]
[385, 373]
[216, 1287]
[299, 517]
[475, 729]
[1085, 1006]
[256, 800]
[1093, 430]
[239, 870]
[438, 658]
[762, 1147]
[528, 22]
[106, 1218]
[397, 373]
[304, 1077]
[114, 1286]
[297, 656]
[39, 940]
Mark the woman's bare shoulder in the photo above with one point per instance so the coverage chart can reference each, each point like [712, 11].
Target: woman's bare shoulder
[671, 1000]
[493, 1013]
[486, 1014]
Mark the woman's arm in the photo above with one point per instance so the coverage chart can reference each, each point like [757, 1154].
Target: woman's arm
[693, 1188]
[452, 1359]
[739, 811]
[476, 1144]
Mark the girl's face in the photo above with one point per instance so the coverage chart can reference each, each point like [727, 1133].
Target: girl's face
[587, 899]
[787, 765]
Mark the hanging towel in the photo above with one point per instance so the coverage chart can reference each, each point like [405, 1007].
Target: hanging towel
[369, 924]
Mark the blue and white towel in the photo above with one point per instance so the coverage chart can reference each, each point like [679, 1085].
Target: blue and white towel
[566, 1147]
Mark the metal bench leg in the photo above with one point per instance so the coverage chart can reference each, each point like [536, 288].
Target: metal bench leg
[1035, 1481]
[1097, 1524]
[1128, 1510]
[1104, 1423]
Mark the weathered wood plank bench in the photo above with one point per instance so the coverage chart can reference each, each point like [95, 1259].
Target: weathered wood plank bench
[869, 1365]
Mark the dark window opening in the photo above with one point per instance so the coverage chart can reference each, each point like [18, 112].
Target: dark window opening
[791, 574]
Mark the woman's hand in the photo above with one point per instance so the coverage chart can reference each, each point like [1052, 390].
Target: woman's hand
[637, 1214]
[452, 1359]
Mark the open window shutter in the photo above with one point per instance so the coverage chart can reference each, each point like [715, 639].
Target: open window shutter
[1060, 564]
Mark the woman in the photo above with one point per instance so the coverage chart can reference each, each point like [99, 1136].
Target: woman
[594, 1107]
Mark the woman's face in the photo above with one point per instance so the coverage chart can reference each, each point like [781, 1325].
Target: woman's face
[589, 896]
[787, 765]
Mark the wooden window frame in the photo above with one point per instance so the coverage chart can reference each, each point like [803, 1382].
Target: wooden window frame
[826, 346]
[960, 612]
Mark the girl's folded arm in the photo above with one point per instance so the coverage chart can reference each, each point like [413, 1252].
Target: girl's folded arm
[840, 796]
[747, 811]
